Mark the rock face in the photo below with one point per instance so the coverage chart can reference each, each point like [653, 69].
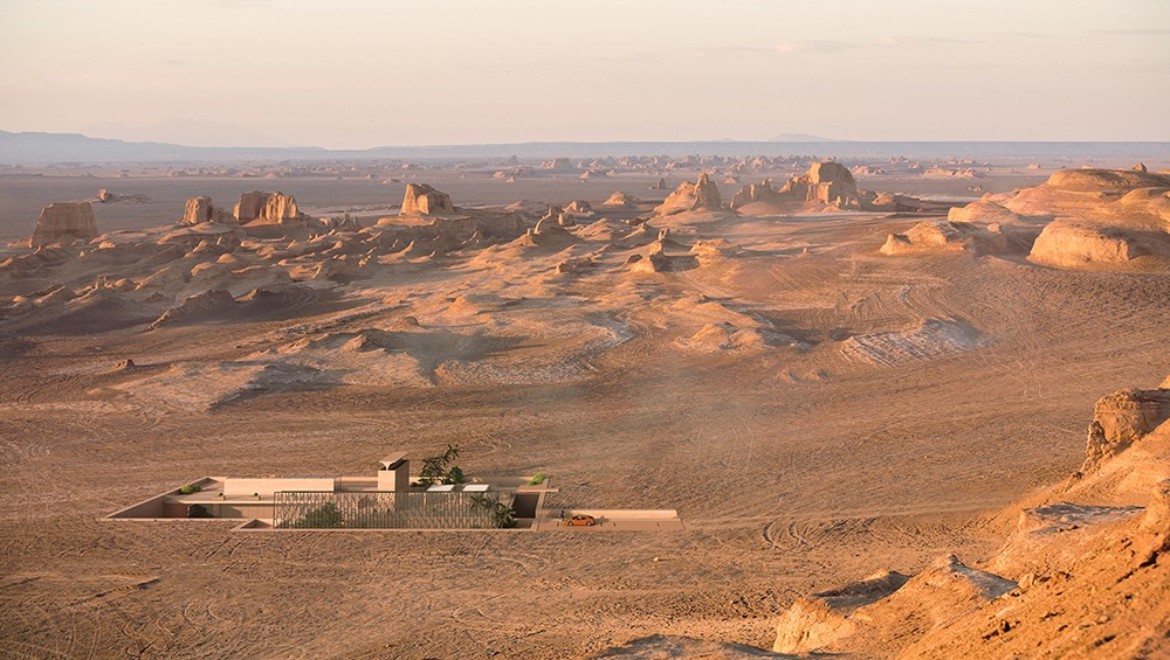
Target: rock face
[422, 199]
[64, 221]
[1120, 419]
[267, 208]
[200, 210]
[707, 197]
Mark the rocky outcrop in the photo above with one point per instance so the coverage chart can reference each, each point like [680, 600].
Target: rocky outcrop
[422, 199]
[662, 256]
[579, 207]
[707, 197]
[1122, 418]
[104, 196]
[1078, 193]
[818, 621]
[1069, 244]
[752, 193]
[200, 210]
[680, 199]
[700, 196]
[196, 307]
[985, 211]
[267, 208]
[64, 221]
[619, 199]
[1096, 219]
[1106, 181]
[824, 184]
[831, 183]
[1074, 578]
[886, 606]
[941, 236]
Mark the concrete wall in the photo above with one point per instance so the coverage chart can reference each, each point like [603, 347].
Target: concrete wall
[155, 507]
[622, 514]
[152, 508]
[233, 487]
[218, 510]
[397, 479]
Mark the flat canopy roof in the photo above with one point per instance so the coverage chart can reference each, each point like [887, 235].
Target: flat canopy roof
[441, 488]
[391, 460]
[475, 488]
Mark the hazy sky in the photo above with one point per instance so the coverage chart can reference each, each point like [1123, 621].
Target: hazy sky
[359, 73]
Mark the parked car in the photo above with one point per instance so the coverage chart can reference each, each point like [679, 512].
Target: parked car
[581, 521]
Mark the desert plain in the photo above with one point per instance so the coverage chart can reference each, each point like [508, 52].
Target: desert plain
[829, 369]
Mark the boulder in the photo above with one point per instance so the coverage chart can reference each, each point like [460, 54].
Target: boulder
[64, 221]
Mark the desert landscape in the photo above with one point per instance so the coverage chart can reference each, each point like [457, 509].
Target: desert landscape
[451, 329]
[825, 377]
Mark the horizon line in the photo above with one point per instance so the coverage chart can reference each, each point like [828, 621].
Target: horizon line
[809, 140]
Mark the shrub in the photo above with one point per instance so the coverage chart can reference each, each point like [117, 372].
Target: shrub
[455, 476]
[435, 467]
[190, 488]
[537, 479]
[326, 516]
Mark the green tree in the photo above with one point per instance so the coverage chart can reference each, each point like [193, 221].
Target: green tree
[435, 468]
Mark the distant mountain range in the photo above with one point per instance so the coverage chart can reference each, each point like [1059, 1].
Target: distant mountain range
[44, 148]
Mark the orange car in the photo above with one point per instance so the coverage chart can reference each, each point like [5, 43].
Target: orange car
[581, 521]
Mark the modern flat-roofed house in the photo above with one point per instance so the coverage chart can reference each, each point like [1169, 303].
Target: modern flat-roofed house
[387, 500]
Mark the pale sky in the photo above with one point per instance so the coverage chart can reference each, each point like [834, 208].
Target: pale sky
[362, 73]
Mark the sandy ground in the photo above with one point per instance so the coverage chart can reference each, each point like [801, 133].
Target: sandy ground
[915, 396]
